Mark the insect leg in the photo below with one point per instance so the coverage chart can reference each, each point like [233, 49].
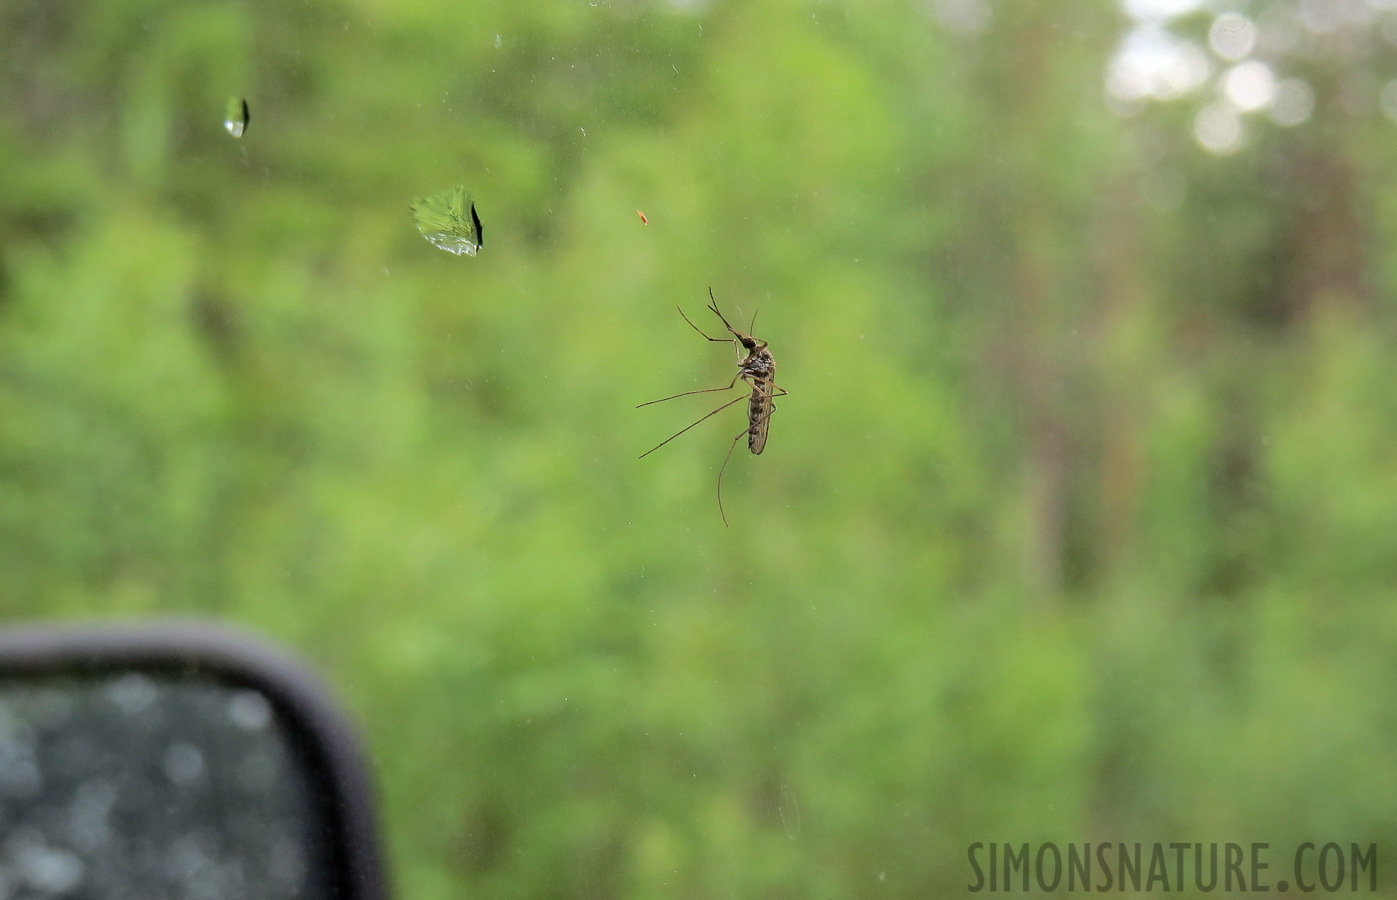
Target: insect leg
[720, 476]
[682, 430]
[733, 446]
[687, 393]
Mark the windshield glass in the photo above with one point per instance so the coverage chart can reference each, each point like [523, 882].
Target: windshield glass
[1038, 490]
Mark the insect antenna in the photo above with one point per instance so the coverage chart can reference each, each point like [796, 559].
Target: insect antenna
[701, 331]
[713, 305]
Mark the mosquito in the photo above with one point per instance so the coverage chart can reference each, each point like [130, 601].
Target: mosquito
[758, 369]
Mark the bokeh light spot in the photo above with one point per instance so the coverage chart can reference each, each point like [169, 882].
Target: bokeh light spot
[1294, 102]
[1152, 63]
[961, 16]
[1218, 128]
[1159, 10]
[1249, 86]
[1232, 36]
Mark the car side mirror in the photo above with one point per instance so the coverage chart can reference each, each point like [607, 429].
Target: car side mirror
[176, 760]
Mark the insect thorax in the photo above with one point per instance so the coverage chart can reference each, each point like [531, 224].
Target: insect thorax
[759, 365]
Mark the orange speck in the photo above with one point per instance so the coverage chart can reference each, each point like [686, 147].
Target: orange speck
[642, 217]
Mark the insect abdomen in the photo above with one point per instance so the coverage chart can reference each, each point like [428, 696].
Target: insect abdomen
[758, 420]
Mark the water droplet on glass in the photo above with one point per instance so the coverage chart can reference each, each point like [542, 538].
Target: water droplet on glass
[88, 814]
[249, 709]
[48, 869]
[448, 220]
[237, 117]
[789, 810]
[187, 859]
[133, 692]
[287, 866]
[19, 770]
[183, 763]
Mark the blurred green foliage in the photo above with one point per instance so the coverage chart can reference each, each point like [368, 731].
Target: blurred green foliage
[1077, 523]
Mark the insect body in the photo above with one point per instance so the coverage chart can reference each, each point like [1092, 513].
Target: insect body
[757, 368]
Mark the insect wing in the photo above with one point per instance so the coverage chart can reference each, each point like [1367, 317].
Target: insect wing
[448, 220]
[759, 417]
